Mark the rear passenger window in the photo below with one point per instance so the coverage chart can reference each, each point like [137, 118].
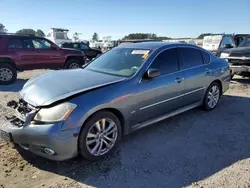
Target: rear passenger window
[15, 43]
[167, 62]
[190, 57]
[206, 57]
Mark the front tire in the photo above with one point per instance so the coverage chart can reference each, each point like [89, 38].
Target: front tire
[8, 74]
[212, 96]
[72, 64]
[99, 136]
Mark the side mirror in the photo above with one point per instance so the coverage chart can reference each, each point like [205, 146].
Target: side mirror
[228, 46]
[53, 46]
[153, 73]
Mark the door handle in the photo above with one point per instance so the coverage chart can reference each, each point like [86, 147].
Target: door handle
[179, 79]
[207, 71]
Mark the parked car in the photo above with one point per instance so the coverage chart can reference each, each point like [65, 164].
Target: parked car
[127, 88]
[89, 52]
[18, 53]
[239, 58]
[217, 43]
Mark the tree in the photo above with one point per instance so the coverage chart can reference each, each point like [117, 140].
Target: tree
[40, 33]
[3, 29]
[144, 36]
[26, 32]
[95, 37]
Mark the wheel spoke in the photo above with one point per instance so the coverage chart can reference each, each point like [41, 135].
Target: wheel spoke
[103, 124]
[210, 103]
[100, 148]
[107, 144]
[91, 135]
[108, 133]
[109, 139]
[93, 151]
[111, 125]
[91, 141]
[98, 126]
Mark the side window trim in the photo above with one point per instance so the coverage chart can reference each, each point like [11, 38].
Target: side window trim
[178, 59]
[39, 40]
[194, 66]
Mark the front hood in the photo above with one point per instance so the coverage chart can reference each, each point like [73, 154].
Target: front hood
[57, 85]
[239, 51]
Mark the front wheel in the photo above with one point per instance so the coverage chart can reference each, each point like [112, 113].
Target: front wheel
[72, 64]
[99, 136]
[8, 74]
[212, 96]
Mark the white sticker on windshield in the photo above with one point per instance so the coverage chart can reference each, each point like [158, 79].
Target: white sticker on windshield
[142, 52]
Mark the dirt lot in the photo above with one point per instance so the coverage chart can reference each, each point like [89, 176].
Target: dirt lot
[196, 149]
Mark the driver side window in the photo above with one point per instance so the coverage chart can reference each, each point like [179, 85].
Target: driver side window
[166, 62]
[41, 44]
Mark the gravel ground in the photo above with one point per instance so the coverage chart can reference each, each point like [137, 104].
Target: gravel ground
[195, 149]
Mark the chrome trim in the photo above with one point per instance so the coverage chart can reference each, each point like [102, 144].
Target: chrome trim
[239, 58]
[155, 120]
[145, 107]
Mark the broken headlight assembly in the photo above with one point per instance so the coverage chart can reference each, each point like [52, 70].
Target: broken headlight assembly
[56, 113]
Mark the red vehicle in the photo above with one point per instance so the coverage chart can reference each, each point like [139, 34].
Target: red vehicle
[18, 53]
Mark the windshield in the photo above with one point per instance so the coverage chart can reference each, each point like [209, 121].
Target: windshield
[120, 61]
[245, 42]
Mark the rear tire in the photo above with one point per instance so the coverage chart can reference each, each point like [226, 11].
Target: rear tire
[8, 74]
[95, 144]
[72, 64]
[212, 96]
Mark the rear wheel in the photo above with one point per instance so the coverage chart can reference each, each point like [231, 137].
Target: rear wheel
[212, 96]
[72, 64]
[8, 73]
[99, 136]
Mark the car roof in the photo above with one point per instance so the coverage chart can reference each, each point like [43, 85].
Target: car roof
[20, 36]
[152, 45]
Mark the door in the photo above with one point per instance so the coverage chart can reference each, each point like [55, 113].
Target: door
[196, 72]
[46, 56]
[160, 95]
[23, 52]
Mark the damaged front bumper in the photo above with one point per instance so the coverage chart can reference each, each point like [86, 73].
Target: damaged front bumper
[46, 140]
[238, 65]
[238, 69]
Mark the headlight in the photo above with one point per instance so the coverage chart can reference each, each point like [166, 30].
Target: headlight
[224, 55]
[56, 113]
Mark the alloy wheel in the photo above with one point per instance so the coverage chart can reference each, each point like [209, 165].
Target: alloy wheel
[74, 66]
[101, 137]
[5, 74]
[213, 96]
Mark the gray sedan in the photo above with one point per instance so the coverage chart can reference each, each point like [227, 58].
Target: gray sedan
[62, 114]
